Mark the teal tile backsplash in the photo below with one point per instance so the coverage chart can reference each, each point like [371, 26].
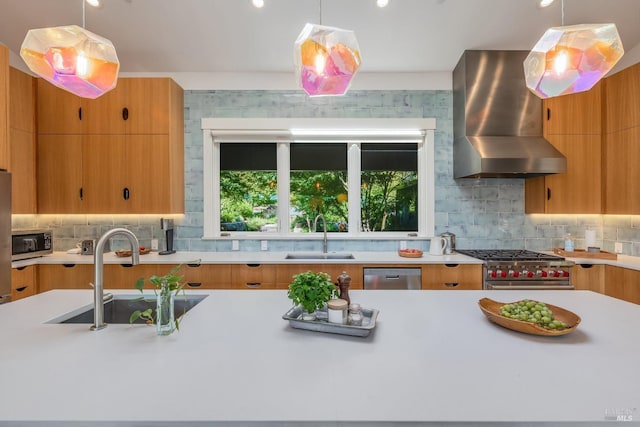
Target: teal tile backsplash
[486, 213]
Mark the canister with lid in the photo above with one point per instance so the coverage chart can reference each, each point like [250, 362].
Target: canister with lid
[337, 311]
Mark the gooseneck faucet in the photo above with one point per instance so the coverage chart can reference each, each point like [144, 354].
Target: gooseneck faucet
[98, 261]
[324, 227]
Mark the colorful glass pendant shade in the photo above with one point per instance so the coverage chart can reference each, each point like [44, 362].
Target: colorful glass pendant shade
[572, 59]
[326, 60]
[73, 59]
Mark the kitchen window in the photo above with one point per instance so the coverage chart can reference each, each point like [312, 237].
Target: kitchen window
[368, 179]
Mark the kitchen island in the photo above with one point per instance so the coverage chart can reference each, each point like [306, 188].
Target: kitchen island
[432, 358]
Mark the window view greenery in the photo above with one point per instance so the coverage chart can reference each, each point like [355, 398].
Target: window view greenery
[248, 187]
[389, 187]
[319, 177]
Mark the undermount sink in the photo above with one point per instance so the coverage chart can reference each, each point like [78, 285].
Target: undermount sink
[316, 255]
[119, 309]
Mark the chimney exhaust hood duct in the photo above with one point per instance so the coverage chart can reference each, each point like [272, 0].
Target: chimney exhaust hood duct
[497, 121]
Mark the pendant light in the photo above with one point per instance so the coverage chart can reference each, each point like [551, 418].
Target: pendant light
[571, 59]
[326, 59]
[72, 59]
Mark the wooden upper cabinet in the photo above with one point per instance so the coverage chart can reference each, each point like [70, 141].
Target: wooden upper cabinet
[104, 174]
[150, 103]
[22, 108]
[59, 173]
[622, 103]
[579, 190]
[22, 145]
[622, 177]
[59, 111]
[104, 115]
[575, 114]
[4, 108]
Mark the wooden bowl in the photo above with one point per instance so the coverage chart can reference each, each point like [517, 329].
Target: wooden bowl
[410, 253]
[127, 252]
[491, 309]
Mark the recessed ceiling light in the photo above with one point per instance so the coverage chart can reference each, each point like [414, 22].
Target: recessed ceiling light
[545, 3]
[382, 3]
[94, 3]
[258, 3]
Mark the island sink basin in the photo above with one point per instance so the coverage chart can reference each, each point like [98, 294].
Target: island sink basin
[316, 255]
[119, 309]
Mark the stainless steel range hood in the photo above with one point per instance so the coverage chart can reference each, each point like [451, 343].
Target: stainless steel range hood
[497, 121]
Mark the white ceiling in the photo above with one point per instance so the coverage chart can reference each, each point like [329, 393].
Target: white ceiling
[232, 36]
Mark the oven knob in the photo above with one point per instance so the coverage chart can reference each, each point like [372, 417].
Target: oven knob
[544, 273]
[565, 273]
[530, 274]
[556, 273]
[515, 273]
[503, 274]
[492, 273]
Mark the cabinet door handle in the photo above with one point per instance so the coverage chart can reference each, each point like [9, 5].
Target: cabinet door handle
[21, 268]
[81, 193]
[125, 113]
[21, 288]
[125, 193]
[79, 113]
[548, 194]
[451, 284]
[253, 285]
[194, 284]
[548, 114]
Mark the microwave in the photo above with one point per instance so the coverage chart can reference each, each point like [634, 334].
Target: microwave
[30, 243]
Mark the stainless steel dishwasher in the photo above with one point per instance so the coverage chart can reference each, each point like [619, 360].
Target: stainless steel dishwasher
[393, 278]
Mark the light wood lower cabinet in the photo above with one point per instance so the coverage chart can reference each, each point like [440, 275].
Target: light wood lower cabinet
[253, 276]
[588, 277]
[64, 276]
[203, 276]
[285, 273]
[622, 283]
[23, 282]
[452, 276]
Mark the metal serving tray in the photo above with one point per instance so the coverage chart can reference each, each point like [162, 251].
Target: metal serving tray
[369, 315]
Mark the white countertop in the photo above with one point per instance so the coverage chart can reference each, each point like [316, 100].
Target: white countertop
[266, 257]
[433, 357]
[238, 257]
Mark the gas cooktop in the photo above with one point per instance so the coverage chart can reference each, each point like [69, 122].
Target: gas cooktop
[508, 255]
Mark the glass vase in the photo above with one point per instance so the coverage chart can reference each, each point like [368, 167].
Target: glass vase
[165, 316]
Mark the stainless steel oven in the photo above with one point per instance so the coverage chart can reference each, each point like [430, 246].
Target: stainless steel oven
[30, 243]
[522, 269]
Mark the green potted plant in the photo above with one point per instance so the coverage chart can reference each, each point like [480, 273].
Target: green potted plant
[165, 288]
[311, 291]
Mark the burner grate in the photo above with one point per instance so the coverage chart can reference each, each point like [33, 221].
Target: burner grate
[508, 255]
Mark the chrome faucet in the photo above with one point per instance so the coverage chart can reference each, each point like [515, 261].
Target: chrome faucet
[98, 261]
[324, 227]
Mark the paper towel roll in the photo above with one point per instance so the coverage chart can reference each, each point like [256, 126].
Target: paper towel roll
[590, 237]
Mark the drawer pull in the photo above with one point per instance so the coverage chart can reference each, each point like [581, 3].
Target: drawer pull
[194, 264]
[69, 265]
[451, 284]
[194, 284]
[21, 288]
[253, 265]
[586, 265]
[253, 285]
[451, 265]
[21, 268]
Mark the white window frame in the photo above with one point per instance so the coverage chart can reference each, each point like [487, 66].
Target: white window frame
[284, 131]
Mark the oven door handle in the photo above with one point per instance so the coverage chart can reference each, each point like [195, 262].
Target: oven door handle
[530, 287]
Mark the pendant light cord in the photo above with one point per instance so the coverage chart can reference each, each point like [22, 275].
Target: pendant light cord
[83, 14]
[320, 10]
[562, 8]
